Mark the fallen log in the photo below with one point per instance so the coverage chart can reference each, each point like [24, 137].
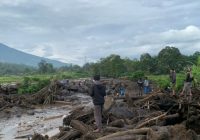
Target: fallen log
[22, 137]
[137, 97]
[151, 120]
[114, 129]
[84, 116]
[119, 97]
[90, 136]
[53, 117]
[146, 99]
[129, 137]
[80, 126]
[133, 132]
[62, 102]
[4, 107]
[176, 115]
[73, 134]
[155, 118]
[39, 137]
[117, 123]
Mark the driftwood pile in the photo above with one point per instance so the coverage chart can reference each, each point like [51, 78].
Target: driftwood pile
[157, 116]
[25, 101]
[154, 116]
[59, 90]
[10, 88]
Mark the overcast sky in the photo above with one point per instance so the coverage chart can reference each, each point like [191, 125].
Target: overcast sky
[72, 30]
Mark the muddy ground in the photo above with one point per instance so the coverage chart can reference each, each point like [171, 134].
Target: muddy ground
[45, 120]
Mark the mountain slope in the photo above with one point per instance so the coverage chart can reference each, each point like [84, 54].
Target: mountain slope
[10, 55]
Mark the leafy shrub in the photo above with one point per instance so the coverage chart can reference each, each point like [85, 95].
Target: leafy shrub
[196, 75]
[163, 81]
[180, 81]
[136, 75]
[32, 85]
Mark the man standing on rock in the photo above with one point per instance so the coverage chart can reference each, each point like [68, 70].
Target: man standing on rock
[140, 86]
[172, 77]
[98, 91]
[146, 86]
[188, 83]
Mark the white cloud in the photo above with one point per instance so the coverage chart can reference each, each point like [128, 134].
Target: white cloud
[11, 2]
[42, 50]
[190, 33]
[35, 30]
[70, 30]
[187, 40]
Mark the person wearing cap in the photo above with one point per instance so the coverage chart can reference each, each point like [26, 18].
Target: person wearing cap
[98, 91]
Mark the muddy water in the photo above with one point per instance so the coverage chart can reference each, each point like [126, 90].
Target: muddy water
[46, 120]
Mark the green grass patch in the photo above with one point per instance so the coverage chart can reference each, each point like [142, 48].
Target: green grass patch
[196, 75]
[135, 76]
[33, 83]
[61, 75]
[71, 75]
[10, 79]
[163, 81]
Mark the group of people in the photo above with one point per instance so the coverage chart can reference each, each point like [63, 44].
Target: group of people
[187, 83]
[144, 86]
[98, 92]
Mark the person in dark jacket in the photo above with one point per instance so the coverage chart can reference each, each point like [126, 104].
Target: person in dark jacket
[172, 77]
[98, 91]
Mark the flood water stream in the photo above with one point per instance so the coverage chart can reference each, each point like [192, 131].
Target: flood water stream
[44, 120]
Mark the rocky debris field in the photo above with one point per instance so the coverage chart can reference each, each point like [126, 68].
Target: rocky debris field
[156, 116]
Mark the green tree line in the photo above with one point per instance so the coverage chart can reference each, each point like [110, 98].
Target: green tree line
[15, 69]
[114, 65]
[167, 58]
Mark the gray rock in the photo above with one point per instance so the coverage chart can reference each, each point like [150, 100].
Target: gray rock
[30, 112]
[121, 112]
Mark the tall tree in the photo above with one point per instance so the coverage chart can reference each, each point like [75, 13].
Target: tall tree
[112, 66]
[146, 62]
[45, 67]
[169, 57]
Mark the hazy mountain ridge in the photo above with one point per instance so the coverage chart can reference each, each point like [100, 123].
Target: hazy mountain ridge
[10, 55]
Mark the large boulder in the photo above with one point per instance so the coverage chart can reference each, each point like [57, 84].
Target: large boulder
[121, 110]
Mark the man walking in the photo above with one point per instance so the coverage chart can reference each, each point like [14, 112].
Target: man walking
[98, 92]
